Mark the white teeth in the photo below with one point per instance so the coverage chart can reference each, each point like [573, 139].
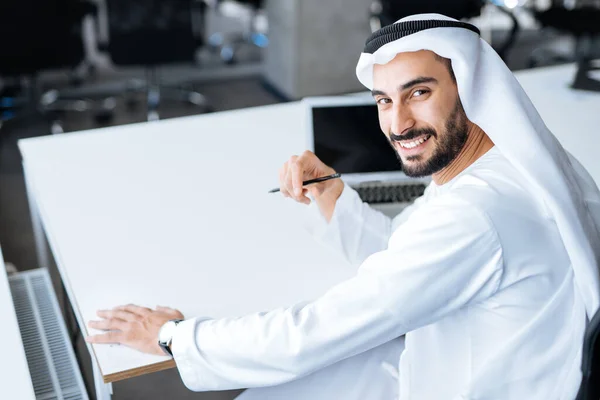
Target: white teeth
[415, 143]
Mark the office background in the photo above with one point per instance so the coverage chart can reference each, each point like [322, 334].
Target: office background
[240, 54]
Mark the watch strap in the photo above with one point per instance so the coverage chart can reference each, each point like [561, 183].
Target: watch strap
[165, 345]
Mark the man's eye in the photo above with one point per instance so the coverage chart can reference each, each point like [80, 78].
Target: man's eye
[420, 92]
[384, 100]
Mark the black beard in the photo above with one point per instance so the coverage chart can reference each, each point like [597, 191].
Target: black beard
[449, 146]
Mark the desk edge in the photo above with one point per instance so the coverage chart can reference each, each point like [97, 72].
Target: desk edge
[132, 373]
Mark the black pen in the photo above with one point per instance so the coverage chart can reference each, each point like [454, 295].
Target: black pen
[316, 180]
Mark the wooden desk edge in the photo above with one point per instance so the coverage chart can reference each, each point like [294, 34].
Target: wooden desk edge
[132, 373]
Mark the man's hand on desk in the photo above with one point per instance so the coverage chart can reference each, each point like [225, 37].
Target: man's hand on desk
[133, 326]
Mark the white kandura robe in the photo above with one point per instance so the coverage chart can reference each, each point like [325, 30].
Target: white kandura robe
[474, 273]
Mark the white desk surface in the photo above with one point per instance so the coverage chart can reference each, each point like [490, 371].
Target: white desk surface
[572, 115]
[15, 380]
[176, 212]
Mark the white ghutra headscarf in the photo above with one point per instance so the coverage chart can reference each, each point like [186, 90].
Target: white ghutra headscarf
[494, 100]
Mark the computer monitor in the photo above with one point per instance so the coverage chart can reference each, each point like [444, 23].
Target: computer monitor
[344, 133]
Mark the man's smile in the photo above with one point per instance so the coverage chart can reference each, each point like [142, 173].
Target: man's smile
[412, 146]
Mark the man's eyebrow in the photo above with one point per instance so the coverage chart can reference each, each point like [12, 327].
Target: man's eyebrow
[417, 81]
[407, 85]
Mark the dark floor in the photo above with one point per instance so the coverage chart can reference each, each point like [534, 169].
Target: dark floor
[15, 229]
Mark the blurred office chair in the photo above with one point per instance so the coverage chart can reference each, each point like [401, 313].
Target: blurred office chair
[386, 12]
[389, 11]
[583, 23]
[154, 33]
[590, 365]
[230, 45]
[36, 36]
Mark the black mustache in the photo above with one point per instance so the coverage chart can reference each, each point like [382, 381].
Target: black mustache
[413, 134]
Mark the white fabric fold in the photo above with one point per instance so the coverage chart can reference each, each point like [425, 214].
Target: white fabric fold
[355, 230]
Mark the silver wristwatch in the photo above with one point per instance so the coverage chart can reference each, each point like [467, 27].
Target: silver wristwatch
[165, 335]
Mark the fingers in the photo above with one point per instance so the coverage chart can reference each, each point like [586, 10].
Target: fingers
[109, 324]
[287, 187]
[114, 320]
[112, 337]
[133, 313]
[119, 314]
[133, 309]
[291, 176]
[133, 326]
[297, 176]
[282, 180]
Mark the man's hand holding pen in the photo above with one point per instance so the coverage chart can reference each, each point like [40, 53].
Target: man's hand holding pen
[307, 166]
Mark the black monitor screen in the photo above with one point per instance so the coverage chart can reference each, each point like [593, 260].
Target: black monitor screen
[348, 139]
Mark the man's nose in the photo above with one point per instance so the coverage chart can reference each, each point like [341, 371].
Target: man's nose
[402, 120]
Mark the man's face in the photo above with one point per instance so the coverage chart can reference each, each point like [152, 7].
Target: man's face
[420, 111]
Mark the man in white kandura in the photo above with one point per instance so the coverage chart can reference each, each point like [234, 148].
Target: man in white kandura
[480, 290]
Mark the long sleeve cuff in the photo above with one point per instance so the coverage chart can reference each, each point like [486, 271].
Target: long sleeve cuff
[328, 233]
[186, 353]
[355, 230]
